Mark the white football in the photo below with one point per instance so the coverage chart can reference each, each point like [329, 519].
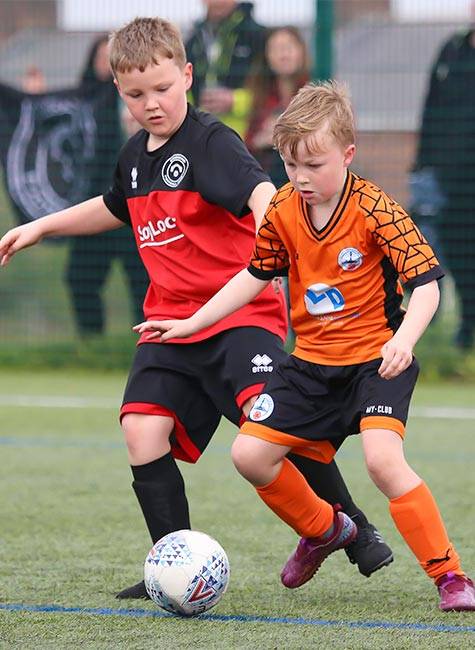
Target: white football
[186, 572]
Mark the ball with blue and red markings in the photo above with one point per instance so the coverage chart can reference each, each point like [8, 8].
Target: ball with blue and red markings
[186, 572]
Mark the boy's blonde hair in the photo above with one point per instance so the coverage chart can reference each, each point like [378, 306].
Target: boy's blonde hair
[323, 107]
[143, 42]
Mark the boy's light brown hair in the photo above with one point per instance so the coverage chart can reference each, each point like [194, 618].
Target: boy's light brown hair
[143, 42]
[323, 107]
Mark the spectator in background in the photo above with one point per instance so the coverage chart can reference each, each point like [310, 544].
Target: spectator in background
[34, 81]
[281, 70]
[222, 48]
[445, 165]
[284, 67]
[91, 257]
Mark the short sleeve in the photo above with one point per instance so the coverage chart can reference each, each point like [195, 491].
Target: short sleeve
[115, 200]
[403, 243]
[270, 257]
[225, 172]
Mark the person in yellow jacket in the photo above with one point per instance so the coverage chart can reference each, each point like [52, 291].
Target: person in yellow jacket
[222, 48]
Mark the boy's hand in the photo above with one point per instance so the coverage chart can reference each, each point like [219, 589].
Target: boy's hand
[166, 329]
[16, 239]
[397, 356]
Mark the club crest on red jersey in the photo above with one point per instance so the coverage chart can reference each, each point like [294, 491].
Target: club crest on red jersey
[174, 169]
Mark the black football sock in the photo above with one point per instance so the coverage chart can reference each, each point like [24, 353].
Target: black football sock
[160, 490]
[326, 481]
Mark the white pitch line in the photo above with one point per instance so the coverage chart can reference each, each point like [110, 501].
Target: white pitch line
[443, 412]
[61, 401]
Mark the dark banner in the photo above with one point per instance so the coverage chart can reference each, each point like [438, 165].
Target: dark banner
[48, 146]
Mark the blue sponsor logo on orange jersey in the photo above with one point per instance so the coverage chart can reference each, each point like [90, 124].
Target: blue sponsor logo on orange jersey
[323, 299]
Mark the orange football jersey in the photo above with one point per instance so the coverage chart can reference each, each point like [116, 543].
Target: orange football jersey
[345, 279]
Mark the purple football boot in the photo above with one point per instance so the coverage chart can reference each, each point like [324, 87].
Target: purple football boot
[312, 551]
[457, 593]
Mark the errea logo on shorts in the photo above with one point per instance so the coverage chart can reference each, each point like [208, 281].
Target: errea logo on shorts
[262, 363]
[262, 409]
[379, 409]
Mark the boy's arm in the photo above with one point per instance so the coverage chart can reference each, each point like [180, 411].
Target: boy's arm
[397, 352]
[240, 290]
[87, 218]
[259, 200]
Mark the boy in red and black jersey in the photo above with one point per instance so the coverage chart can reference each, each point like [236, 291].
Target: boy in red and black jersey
[345, 246]
[187, 203]
[193, 196]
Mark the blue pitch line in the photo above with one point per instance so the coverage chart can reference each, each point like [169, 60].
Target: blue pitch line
[57, 443]
[225, 618]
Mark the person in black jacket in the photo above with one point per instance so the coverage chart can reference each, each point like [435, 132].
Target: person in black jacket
[221, 48]
[446, 160]
[91, 258]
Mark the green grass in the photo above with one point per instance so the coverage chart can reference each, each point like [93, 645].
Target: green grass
[71, 534]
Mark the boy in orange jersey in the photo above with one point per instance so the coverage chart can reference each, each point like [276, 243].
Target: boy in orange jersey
[344, 244]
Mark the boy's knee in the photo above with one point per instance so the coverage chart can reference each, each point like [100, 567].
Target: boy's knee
[131, 424]
[242, 456]
[133, 439]
[146, 436]
[377, 464]
[255, 459]
[385, 471]
[384, 456]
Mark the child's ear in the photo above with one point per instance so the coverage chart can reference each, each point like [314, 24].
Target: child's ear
[349, 154]
[116, 84]
[188, 72]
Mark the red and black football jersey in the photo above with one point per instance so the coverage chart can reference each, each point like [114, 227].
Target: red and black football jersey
[187, 205]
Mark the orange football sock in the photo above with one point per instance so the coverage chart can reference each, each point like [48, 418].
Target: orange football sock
[293, 500]
[418, 519]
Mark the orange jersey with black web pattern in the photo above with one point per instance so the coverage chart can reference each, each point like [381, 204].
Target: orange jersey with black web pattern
[345, 279]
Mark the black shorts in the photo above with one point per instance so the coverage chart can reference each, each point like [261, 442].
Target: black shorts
[312, 408]
[197, 383]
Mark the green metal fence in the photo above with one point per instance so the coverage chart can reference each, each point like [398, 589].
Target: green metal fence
[386, 52]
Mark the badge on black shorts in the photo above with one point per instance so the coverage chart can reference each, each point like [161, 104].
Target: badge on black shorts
[262, 409]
